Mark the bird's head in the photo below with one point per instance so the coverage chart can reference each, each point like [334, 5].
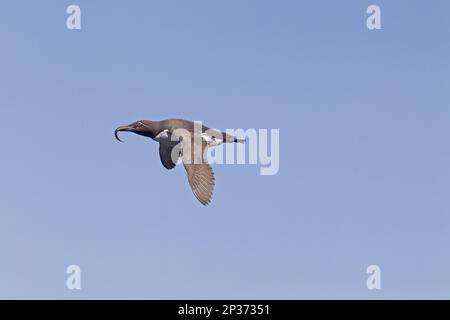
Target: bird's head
[144, 128]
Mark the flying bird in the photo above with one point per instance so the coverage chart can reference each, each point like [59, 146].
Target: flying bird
[189, 141]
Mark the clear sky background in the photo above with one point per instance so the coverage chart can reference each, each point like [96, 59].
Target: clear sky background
[365, 156]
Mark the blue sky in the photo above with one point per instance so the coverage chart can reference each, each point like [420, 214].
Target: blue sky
[364, 149]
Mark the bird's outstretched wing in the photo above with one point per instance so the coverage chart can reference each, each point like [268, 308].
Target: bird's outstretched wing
[199, 172]
[169, 155]
[201, 180]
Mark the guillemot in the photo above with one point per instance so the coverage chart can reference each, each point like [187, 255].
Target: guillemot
[189, 141]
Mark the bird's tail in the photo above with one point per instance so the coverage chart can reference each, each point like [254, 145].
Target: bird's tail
[228, 138]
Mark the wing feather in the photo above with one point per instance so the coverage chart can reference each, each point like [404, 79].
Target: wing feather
[200, 176]
[169, 155]
[201, 180]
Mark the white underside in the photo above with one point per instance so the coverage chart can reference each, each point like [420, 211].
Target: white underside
[211, 141]
[164, 137]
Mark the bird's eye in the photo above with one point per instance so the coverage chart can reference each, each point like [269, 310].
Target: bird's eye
[140, 124]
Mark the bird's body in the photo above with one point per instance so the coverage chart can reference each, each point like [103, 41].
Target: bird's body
[189, 141]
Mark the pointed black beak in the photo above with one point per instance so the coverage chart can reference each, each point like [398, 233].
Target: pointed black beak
[122, 128]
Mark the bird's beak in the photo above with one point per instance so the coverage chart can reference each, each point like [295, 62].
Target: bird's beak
[122, 128]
